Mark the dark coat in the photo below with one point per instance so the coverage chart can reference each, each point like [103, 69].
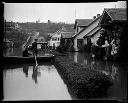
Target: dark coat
[26, 53]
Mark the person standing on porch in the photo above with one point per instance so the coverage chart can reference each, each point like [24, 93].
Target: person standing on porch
[106, 46]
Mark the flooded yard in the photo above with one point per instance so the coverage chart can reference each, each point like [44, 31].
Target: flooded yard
[118, 72]
[23, 82]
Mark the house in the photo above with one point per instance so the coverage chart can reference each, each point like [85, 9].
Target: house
[54, 39]
[64, 33]
[81, 24]
[92, 34]
[86, 26]
[67, 40]
[113, 21]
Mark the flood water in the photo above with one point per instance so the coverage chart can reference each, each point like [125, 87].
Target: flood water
[117, 71]
[28, 83]
[24, 82]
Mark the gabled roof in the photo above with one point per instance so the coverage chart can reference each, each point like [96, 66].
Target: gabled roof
[67, 34]
[82, 22]
[87, 26]
[94, 31]
[67, 31]
[51, 34]
[67, 28]
[117, 13]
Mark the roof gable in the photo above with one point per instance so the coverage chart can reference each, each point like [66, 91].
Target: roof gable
[82, 22]
[117, 13]
[67, 28]
[67, 34]
[94, 20]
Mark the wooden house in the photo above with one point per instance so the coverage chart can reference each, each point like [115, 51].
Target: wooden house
[54, 40]
[91, 34]
[64, 33]
[113, 21]
[80, 25]
[67, 40]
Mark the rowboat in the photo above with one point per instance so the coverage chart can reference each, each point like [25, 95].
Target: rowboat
[18, 59]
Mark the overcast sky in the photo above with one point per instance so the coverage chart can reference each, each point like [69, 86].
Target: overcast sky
[56, 12]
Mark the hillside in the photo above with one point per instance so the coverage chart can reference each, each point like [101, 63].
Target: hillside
[44, 28]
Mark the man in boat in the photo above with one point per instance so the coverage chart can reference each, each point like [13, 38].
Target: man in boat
[26, 53]
[34, 46]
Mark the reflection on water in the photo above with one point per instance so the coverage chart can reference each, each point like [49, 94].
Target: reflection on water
[117, 71]
[12, 52]
[28, 82]
[8, 51]
[36, 72]
[25, 70]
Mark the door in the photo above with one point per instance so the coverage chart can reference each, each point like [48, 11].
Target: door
[80, 44]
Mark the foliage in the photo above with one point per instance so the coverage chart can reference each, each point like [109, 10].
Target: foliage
[84, 82]
[18, 37]
[101, 39]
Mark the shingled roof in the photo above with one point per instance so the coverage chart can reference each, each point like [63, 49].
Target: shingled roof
[67, 35]
[117, 13]
[67, 28]
[82, 22]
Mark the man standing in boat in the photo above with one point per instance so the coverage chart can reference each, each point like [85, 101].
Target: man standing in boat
[34, 46]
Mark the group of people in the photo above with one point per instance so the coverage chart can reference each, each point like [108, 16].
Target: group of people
[107, 49]
[34, 50]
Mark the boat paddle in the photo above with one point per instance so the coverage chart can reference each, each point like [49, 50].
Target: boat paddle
[36, 61]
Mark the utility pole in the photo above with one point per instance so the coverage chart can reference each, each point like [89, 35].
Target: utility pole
[5, 30]
[75, 13]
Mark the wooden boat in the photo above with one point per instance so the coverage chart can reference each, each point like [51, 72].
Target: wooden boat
[18, 59]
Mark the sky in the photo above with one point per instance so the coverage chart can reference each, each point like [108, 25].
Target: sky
[55, 12]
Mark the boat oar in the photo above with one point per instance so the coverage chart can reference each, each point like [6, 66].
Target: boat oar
[36, 61]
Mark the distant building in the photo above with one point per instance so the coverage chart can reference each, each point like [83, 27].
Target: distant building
[65, 33]
[54, 40]
[67, 40]
[49, 21]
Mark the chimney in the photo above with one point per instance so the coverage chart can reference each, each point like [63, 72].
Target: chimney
[98, 15]
[94, 17]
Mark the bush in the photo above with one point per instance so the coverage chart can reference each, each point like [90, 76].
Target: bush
[83, 82]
